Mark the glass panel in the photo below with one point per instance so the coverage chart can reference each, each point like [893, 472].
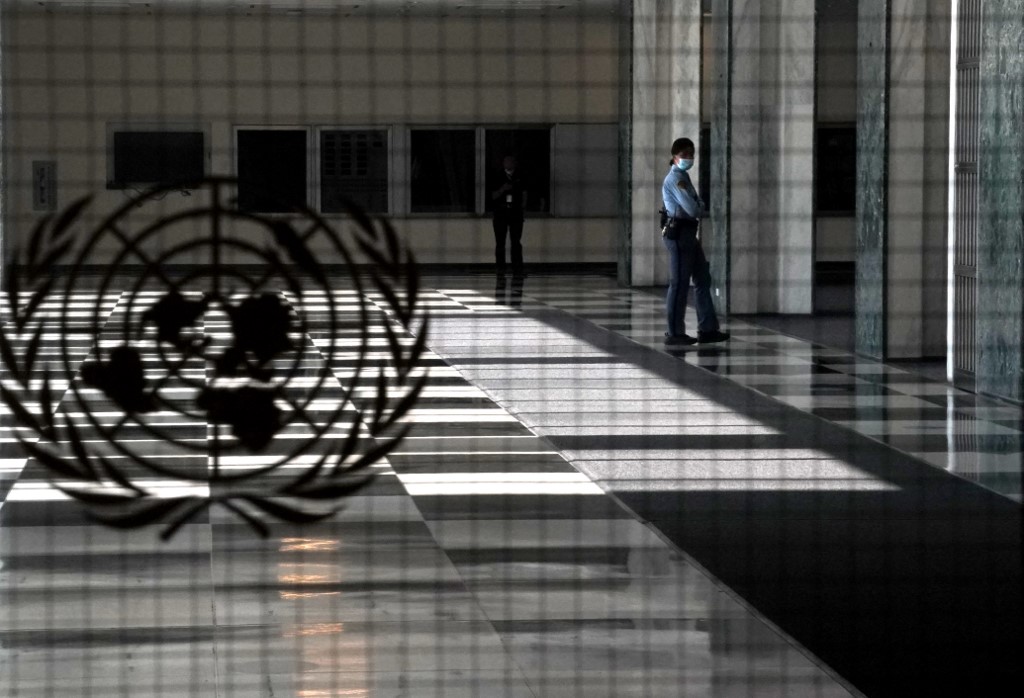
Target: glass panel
[271, 170]
[835, 185]
[354, 165]
[532, 149]
[443, 171]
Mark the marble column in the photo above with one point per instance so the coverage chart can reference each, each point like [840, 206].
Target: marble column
[684, 120]
[664, 105]
[1000, 337]
[762, 152]
[746, 236]
[625, 238]
[872, 175]
[721, 152]
[792, 197]
[681, 21]
[644, 148]
[902, 168]
[3, 160]
[907, 114]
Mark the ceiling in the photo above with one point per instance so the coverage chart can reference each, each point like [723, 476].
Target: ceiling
[376, 7]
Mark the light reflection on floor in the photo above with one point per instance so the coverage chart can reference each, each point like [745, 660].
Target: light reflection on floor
[493, 556]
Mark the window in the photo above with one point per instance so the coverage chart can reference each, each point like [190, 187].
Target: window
[570, 170]
[272, 170]
[442, 170]
[532, 149]
[354, 164]
[835, 175]
[147, 158]
[142, 155]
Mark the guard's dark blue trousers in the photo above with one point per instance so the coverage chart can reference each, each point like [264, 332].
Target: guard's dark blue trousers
[686, 260]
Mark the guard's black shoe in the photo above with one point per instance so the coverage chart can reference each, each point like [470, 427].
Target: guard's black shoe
[681, 340]
[712, 337]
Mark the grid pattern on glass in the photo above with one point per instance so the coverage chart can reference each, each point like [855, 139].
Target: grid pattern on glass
[580, 510]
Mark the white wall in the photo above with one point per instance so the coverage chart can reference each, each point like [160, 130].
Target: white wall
[69, 73]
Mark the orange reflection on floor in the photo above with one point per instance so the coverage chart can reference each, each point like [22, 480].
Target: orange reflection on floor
[289, 545]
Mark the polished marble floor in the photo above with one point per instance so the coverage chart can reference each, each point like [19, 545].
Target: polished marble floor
[577, 512]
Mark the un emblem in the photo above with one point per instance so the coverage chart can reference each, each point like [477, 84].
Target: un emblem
[229, 365]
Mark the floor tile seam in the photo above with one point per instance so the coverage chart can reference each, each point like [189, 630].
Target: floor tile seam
[512, 656]
[220, 672]
[766, 395]
[437, 544]
[459, 304]
[17, 478]
[651, 527]
[804, 345]
[880, 439]
[743, 603]
[912, 377]
[102, 329]
[780, 401]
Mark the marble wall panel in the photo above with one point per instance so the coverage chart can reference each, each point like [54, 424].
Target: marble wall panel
[645, 197]
[872, 175]
[1001, 202]
[764, 223]
[685, 21]
[665, 104]
[795, 258]
[625, 237]
[907, 121]
[938, 172]
[666, 55]
[721, 153]
[746, 237]
[794, 203]
[762, 169]
[747, 229]
[902, 170]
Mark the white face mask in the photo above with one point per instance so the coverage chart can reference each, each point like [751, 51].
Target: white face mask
[509, 172]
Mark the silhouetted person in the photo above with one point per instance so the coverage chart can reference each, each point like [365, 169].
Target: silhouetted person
[509, 200]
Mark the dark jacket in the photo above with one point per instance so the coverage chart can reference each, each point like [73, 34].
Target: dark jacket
[509, 202]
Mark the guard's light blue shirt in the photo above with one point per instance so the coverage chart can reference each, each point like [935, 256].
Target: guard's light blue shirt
[681, 199]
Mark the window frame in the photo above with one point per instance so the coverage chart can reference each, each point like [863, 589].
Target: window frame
[317, 185]
[399, 158]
